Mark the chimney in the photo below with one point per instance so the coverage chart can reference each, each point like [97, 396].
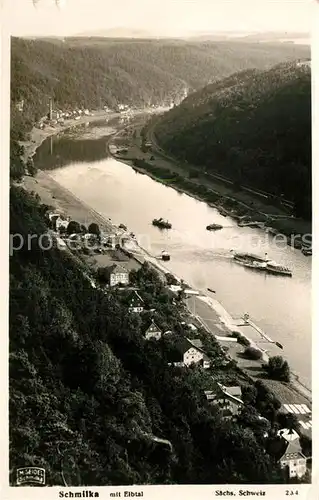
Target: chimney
[50, 108]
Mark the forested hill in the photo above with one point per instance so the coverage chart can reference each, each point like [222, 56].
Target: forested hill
[97, 71]
[253, 127]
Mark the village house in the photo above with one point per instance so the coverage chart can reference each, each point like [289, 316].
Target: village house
[117, 275]
[20, 105]
[292, 457]
[62, 223]
[153, 332]
[58, 221]
[135, 303]
[191, 352]
[228, 399]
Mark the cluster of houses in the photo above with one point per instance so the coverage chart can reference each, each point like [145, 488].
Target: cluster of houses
[58, 116]
[122, 108]
[60, 224]
[228, 398]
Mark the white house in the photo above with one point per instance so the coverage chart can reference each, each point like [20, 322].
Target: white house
[135, 303]
[228, 399]
[118, 275]
[293, 459]
[191, 352]
[153, 332]
[58, 220]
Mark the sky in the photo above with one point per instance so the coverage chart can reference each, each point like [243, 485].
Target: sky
[160, 17]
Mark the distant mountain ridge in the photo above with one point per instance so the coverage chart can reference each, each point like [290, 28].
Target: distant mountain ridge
[120, 32]
[270, 36]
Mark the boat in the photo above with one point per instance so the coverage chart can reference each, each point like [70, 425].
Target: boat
[213, 227]
[307, 251]
[255, 265]
[223, 212]
[165, 256]
[274, 268]
[261, 263]
[250, 258]
[161, 223]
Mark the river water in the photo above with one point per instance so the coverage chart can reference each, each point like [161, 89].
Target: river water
[281, 306]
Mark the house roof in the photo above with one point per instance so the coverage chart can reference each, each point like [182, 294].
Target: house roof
[288, 434]
[233, 392]
[135, 300]
[117, 269]
[153, 328]
[293, 448]
[196, 343]
[283, 450]
[183, 345]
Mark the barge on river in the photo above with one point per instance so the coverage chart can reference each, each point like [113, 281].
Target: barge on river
[214, 227]
[162, 224]
[261, 264]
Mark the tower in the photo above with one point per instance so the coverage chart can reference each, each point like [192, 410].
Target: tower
[50, 108]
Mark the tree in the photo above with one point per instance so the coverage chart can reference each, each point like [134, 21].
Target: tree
[253, 353]
[103, 274]
[288, 421]
[278, 368]
[73, 227]
[94, 229]
[249, 394]
[31, 167]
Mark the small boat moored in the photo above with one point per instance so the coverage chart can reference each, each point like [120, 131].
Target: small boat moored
[161, 223]
[307, 251]
[165, 256]
[213, 227]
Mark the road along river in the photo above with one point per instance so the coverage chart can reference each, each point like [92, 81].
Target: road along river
[281, 306]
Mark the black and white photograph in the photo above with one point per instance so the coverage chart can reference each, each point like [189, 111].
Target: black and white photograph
[160, 248]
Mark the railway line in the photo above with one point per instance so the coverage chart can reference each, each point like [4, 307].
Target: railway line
[255, 191]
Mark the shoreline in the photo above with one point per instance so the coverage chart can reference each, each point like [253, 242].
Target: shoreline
[38, 136]
[45, 181]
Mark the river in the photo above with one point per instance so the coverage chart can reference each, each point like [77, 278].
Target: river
[281, 306]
